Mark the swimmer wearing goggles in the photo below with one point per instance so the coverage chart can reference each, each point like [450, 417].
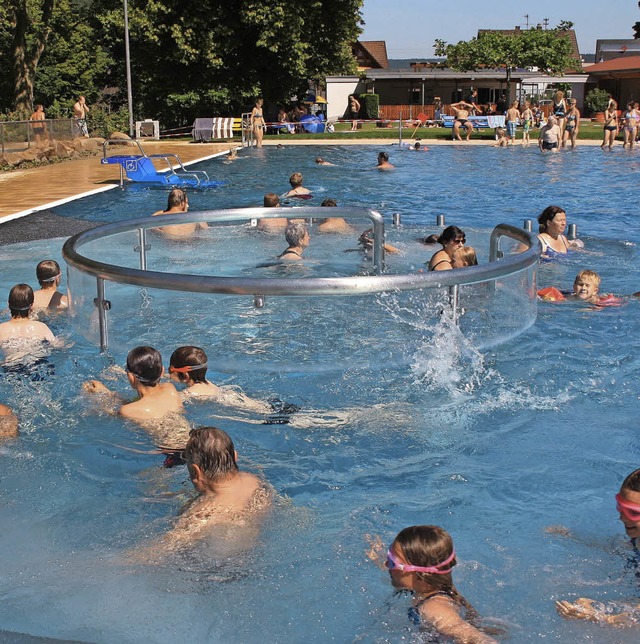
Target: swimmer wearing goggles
[438, 569]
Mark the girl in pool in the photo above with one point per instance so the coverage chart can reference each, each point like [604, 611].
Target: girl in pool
[451, 239]
[421, 559]
[188, 366]
[553, 221]
[463, 257]
[48, 297]
[628, 506]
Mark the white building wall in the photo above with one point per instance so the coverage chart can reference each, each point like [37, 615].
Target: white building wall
[338, 90]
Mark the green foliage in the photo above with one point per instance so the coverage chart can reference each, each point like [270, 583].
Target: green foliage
[369, 106]
[549, 51]
[102, 123]
[596, 100]
[187, 59]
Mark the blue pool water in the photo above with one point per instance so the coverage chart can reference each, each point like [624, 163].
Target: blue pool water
[494, 443]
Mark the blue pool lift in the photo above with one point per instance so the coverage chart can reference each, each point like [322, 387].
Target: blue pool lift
[140, 168]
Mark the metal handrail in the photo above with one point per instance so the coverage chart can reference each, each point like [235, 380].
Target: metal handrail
[498, 267]
[352, 285]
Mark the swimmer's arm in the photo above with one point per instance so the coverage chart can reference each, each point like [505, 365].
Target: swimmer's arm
[110, 401]
[203, 225]
[441, 612]
[391, 249]
[584, 608]
[376, 550]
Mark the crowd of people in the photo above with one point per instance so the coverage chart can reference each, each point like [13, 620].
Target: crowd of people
[420, 558]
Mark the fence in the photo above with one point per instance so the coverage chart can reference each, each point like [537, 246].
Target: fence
[17, 136]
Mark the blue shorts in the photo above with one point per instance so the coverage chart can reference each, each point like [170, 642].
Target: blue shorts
[511, 128]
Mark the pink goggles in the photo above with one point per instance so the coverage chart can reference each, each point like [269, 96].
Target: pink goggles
[393, 563]
[630, 510]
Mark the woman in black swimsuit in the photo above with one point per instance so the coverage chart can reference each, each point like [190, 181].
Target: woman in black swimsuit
[297, 237]
[421, 559]
[451, 239]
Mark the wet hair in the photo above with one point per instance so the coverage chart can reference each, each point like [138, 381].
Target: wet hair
[177, 198]
[430, 545]
[295, 180]
[189, 356]
[20, 300]
[294, 233]
[431, 239]
[588, 276]
[319, 160]
[329, 203]
[449, 234]
[416, 145]
[467, 254]
[547, 215]
[271, 200]
[212, 450]
[47, 271]
[632, 482]
[145, 363]
[383, 156]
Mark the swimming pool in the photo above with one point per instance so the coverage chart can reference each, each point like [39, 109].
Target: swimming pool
[493, 444]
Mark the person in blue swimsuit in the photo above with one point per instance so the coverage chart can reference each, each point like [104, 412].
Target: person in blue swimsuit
[628, 506]
[420, 560]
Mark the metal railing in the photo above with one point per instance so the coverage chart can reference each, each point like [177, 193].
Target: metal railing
[17, 136]
[172, 160]
[499, 266]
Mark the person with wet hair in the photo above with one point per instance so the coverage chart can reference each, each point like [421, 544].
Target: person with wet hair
[383, 162]
[21, 327]
[178, 202]
[297, 237]
[226, 495]
[451, 239]
[297, 189]
[155, 399]
[188, 367]
[421, 559]
[552, 223]
[365, 242]
[48, 297]
[463, 257]
[333, 224]
[615, 614]
[271, 200]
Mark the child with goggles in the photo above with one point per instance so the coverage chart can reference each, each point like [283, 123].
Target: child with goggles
[421, 559]
[628, 506]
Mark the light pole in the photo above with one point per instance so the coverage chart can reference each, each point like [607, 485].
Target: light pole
[127, 59]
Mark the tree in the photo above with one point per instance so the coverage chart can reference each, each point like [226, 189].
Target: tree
[548, 50]
[30, 21]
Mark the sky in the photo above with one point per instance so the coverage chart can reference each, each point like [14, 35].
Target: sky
[410, 27]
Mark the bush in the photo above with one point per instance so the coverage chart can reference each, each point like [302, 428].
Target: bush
[102, 124]
[596, 100]
[369, 106]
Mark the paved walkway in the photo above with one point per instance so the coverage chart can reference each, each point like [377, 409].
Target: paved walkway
[26, 191]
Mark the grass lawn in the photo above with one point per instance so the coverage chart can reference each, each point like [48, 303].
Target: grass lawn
[588, 131]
